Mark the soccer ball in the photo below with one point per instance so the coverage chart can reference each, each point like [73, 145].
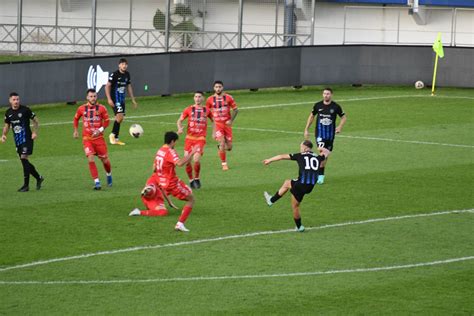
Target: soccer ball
[419, 84]
[136, 130]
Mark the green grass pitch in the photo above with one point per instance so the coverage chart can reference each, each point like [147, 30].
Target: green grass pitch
[401, 154]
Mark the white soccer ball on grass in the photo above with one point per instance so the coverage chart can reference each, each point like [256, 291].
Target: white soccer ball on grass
[419, 84]
[136, 130]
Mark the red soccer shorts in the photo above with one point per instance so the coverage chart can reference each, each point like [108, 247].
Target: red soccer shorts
[179, 190]
[198, 144]
[155, 204]
[223, 130]
[96, 147]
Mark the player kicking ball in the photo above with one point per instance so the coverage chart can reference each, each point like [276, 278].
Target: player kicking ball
[197, 116]
[308, 163]
[94, 121]
[165, 164]
[153, 199]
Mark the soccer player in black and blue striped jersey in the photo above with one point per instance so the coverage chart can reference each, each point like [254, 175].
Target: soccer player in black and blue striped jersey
[325, 112]
[308, 163]
[18, 118]
[119, 82]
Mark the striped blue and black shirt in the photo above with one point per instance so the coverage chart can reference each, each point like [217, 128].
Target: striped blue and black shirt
[308, 163]
[19, 121]
[119, 82]
[326, 115]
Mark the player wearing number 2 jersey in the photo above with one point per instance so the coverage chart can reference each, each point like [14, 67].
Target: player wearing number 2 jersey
[165, 164]
[308, 163]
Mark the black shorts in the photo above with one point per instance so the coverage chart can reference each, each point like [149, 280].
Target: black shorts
[119, 108]
[324, 143]
[299, 189]
[25, 148]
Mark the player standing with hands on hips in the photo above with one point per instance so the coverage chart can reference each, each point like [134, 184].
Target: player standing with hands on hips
[115, 91]
[18, 118]
[325, 112]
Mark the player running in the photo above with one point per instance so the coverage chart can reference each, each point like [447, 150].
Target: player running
[18, 118]
[197, 116]
[115, 91]
[325, 112]
[153, 199]
[220, 104]
[308, 163]
[166, 161]
[94, 121]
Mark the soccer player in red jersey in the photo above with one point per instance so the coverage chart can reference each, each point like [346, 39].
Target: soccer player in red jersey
[197, 116]
[94, 121]
[153, 199]
[220, 104]
[165, 164]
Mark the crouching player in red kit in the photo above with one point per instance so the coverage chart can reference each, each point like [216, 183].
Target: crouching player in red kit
[94, 120]
[153, 199]
[197, 116]
[165, 164]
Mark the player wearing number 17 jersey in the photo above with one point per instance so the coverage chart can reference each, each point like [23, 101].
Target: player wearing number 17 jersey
[197, 116]
[220, 104]
[94, 121]
[165, 164]
[308, 163]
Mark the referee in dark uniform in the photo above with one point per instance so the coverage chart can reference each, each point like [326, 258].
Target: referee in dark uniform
[308, 163]
[18, 117]
[325, 112]
[119, 82]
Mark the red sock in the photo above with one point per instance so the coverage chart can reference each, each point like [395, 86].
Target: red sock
[93, 170]
[197, 169]
[154, 213]
[222, 155]
[189, 171]
[107, 166]
[185, 213]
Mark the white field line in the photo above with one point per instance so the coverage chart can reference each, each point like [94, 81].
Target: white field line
[3, 160]
[240, 277]
[278, 105]
[265, 130]
[200, 241]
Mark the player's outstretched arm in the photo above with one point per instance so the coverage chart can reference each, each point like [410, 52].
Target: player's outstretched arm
[276, 158]
[308, 125]
[179, 125]
[6, 128]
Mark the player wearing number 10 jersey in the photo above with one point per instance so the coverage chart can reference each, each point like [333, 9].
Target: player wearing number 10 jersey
[165, 164]
[308, 163]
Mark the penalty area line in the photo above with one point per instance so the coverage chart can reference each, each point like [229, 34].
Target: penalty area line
[206, 240]
[243, 277]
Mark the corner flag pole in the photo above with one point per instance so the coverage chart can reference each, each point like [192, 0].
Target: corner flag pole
[438, 49]
[434, 75]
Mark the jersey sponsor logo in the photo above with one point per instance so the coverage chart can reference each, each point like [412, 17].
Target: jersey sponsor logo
[325, 121]
[121, 90]
[96, 78]
[17, 129]
[15, 122]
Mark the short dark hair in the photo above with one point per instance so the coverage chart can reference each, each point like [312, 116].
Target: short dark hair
[328, 89]
[170, 136]
[308, 144]
[218, 82]
[200, 92]
[90, 90]
[123, 60]
[13, 94]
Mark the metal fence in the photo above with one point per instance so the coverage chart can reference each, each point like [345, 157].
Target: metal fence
[102, 27]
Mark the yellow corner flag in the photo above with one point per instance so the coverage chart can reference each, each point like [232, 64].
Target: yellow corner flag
[438, 49]
[438, 46]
